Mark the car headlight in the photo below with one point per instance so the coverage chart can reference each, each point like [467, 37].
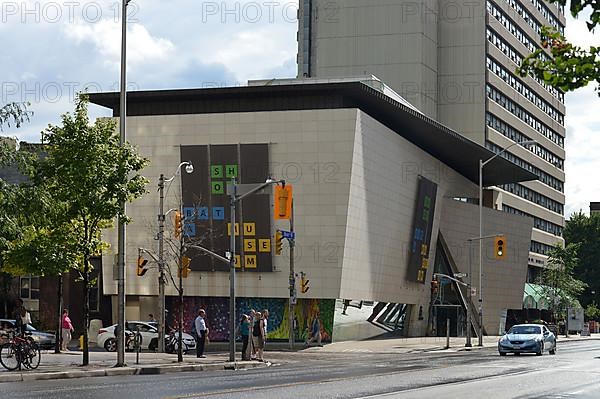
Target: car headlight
[504, 339]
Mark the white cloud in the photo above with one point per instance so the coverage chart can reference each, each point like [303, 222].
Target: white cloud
[142, 47]
[583, 133]
[186, 43]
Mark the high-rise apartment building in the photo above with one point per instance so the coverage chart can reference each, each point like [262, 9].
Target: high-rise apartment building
[455, 61]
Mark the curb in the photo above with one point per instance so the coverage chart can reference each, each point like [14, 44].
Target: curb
[147, 370]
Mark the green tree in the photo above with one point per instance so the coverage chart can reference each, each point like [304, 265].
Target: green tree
[570, 67]
[592, 312]
[585, 231]
[15, 113]
[560, 287]
[89, 174]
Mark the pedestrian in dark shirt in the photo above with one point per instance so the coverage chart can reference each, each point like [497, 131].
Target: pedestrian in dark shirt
[245, 333]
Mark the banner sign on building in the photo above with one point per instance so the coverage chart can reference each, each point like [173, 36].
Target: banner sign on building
[206, 205]
[418, 256]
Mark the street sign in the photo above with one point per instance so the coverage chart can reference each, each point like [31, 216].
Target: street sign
[290, 235]
[243, 188]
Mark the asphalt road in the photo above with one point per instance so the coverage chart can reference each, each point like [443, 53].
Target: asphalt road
[573, 373]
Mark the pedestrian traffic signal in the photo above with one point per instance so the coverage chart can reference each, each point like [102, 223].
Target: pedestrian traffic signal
[499, 247]
[185, 270]
[141, 262]
[178, 225]
[283, 201]
[304, 284]
[278, 242]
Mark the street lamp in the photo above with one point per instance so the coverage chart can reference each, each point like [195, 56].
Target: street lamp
[189, 168]
[121, 226]
[234, 198]
[481, 165]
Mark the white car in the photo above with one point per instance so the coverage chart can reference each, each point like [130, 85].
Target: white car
[527, 338]
[148, 332]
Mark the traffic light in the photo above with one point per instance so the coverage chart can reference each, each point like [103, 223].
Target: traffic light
[499, 248]
[141, 262]
[185, 270]
[278, 242]
[283, 201]
[178, 225]
[304, 283]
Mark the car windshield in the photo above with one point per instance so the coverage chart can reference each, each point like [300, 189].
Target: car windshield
[525, 330]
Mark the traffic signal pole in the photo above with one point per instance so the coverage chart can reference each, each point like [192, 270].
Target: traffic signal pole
[161, 266]
[292, 283]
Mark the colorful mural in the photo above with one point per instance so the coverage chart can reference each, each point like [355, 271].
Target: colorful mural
[217, 310]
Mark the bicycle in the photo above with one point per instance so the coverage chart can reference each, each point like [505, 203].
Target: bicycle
[20, 351]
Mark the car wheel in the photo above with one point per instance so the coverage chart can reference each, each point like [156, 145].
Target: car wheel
[153, 344]
[110, 345]
[540, 351]
[502, 353]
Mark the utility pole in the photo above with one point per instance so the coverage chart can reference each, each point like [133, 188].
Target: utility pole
[121, 227]
[189, 168]
[180, 265]
[161, 266]
[468, 343]
[234, 198]
[232, 203]
[292, 282]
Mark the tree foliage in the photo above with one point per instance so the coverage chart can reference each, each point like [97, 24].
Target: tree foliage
[75, 190]
[570, 67]
[592, 312]
[560, 288]
[585, 231]
[14, 113]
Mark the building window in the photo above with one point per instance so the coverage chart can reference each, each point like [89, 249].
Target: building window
[30, 287]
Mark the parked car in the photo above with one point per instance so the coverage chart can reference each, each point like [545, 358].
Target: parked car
[149, 333]
[43, 339]
[527, 338]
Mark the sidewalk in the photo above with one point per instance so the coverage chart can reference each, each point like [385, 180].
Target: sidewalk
[425, 344]
[68, 365]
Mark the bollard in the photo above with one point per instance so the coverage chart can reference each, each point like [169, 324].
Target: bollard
[447, 333]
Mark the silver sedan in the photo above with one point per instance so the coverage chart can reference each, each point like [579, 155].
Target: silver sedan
[527, 338]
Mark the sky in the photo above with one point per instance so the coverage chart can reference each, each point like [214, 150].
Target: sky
[54, 49]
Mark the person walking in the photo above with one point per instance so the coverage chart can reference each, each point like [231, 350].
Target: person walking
[67, 329]
[252, 340]
[245, 333]
[201, 333]
[315, 335]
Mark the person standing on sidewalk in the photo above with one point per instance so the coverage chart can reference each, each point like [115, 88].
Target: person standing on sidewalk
[20, 314]
[67, 328]
[245, 333]
[258, 332]
[201, 332]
